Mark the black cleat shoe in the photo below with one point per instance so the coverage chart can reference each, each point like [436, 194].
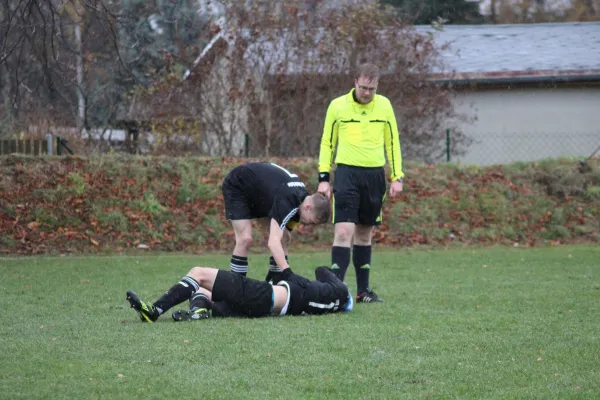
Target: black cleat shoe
[190, 315]
[368, 297]
[146, 311]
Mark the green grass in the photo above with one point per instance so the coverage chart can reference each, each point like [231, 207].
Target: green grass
[500, 323]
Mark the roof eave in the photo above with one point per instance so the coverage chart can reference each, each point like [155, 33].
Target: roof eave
[516, 80]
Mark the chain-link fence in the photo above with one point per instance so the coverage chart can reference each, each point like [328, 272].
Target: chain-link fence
[504, 148]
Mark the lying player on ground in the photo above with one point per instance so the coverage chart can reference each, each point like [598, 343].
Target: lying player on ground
[228, 294]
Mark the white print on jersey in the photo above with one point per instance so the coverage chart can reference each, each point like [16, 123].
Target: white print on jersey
[295, 184]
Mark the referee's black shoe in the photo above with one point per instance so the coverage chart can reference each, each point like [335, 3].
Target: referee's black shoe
[368, 297]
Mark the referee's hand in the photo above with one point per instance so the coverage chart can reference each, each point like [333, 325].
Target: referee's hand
[325, 189]
[395, 188]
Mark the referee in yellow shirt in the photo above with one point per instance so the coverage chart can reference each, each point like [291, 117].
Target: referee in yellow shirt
[361, 130]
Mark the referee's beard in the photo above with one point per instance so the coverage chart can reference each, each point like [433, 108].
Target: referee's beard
[363, 99]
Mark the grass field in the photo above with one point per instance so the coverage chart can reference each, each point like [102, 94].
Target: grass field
[500, 323]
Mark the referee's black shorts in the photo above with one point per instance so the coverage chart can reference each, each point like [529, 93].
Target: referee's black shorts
[358, 194]
[237, 204]
[236, 295]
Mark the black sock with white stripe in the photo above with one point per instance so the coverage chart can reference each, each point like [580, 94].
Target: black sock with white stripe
[199, 300]
[177, 294]
[238, 264]
[274, 274]
[273, 267]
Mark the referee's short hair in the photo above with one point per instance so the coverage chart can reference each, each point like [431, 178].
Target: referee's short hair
[369, 71]
[321, 208]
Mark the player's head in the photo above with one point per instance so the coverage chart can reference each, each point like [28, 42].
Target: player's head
[315, 209]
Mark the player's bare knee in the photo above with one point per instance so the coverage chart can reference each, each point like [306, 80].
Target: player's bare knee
[244, 241]
[196, 273]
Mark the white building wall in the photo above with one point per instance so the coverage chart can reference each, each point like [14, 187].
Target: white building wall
[225, 120]
[530, 124]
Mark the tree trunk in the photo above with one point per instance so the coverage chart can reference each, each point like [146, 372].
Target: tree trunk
[80, 78]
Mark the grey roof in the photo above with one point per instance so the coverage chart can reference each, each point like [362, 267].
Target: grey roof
[520, 49]
[488, 52]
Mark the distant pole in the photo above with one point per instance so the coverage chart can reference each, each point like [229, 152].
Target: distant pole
[246, 144]
[49, 144]
[448, 145]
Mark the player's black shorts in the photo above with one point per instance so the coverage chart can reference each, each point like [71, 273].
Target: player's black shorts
[237, 204]
[236, 295]
[358, 194]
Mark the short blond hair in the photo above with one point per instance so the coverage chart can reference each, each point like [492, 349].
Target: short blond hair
[321, 208]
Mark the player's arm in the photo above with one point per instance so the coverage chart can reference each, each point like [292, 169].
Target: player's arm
[276, 235]
[392, 146]
[289, 276]
[328, 142]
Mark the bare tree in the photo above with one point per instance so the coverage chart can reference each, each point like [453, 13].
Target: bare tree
[44, 50]
[298, 64]
[260, 87]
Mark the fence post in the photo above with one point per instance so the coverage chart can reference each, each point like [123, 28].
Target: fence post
[448, 145]
[49, 144]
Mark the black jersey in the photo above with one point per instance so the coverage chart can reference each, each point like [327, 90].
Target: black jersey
[324, 295]
[267, 190]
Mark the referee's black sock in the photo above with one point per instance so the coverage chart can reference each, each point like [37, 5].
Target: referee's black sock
[361, 258]
[238, 264]
[340, 260]
[177, 294]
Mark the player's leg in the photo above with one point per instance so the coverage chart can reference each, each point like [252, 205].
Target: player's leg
[178, 293]
[238, 211]
[205, 277]
[200, 307]
[243, 242]
[373, 190]
[346, 201]
[226, 294]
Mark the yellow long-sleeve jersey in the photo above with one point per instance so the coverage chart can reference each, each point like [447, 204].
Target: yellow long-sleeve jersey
[360, 132]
